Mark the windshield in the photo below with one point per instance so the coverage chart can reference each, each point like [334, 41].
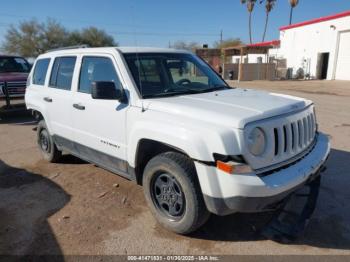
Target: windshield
[168, 74]
[14, 65]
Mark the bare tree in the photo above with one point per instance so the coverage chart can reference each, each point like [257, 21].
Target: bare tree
[250, 7]
[293, 4]
[269, 4]
[228, 43]
[190, 46]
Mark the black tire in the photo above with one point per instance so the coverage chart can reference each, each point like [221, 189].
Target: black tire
[46, 144]
[186, 215]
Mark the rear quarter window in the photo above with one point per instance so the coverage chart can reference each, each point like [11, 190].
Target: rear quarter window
[40, 71]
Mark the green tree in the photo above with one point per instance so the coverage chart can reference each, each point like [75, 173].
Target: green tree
[31, 38]
[269, 4]
[293, 4]
[250, 7]
[95, 37]
[228, 43]
[25, 39]
[53, 35]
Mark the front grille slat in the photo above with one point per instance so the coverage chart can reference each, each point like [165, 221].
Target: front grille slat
[310, 128]
[289, 139]
[301, 133]
[306, 132]
[313, 125]
[280, 141]
[295, 136]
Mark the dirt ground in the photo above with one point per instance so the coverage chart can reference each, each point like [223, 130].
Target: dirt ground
[76, 208]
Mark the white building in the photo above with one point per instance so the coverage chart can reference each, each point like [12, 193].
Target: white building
[319, 48]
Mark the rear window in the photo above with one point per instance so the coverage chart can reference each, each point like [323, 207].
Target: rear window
[40, 71]
[62, 73]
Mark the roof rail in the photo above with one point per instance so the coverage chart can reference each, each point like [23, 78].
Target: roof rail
[67, 48]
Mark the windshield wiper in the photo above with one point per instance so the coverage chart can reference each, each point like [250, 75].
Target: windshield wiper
[174, 93]
[187, 91]
[216, 88]
[210, 89]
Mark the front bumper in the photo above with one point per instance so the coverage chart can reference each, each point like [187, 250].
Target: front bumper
[225, 194]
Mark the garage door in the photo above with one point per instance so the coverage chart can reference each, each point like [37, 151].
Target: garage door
[343, 63]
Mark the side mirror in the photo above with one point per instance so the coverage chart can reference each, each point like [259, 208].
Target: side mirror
[107, 90]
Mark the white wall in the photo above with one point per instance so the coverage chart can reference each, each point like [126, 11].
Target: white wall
[305, 42]
[252, 58]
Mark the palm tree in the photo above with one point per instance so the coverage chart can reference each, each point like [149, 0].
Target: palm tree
[293, 3]
[268, 7]
[250, 7]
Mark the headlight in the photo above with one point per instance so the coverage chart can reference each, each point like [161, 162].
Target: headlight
[256, 141]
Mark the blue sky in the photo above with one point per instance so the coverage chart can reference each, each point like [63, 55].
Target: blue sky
[158, 22]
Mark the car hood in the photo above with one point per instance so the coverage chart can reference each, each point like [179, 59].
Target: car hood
[13, 77]
[232, 107]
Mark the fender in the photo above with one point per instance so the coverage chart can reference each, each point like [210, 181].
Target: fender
[198, 142]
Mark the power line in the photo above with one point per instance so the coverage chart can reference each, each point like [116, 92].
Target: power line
[144, 33]
[63, 20]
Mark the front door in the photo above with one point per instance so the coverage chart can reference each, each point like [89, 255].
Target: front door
[99, 125]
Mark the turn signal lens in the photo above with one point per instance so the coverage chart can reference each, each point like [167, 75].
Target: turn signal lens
[226, 167]
[233, 167]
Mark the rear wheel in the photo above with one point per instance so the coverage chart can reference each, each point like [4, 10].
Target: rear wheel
[173, 193]
[46, 144]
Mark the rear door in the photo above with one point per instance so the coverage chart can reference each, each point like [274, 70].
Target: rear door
[59, 99]
[37, 86]
[99, 125]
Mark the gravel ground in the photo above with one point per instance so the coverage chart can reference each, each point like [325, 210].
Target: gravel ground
[76, 208]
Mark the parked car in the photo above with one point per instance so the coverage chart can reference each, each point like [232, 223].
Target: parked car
[14, 71]
[166, 120]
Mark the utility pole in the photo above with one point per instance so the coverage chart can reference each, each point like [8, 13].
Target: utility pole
[221, 35]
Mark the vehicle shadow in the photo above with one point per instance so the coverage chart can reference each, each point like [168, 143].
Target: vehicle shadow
[329, 226]
[18, 117]
[27, 201]
[24, 118]
[70, 159]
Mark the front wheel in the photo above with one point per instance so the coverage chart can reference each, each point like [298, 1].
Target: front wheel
[46, 143]
[173, 193]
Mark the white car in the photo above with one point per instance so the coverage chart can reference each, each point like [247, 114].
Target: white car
[165, 119]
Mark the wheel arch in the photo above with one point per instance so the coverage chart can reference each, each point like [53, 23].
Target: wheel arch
[149, 148]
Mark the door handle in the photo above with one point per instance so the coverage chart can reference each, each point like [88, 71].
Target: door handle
[79, 107]
[48, 99]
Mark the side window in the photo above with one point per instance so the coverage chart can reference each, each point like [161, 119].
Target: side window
[95, 69]
[183, 70]
[40, 71]
[62, 73]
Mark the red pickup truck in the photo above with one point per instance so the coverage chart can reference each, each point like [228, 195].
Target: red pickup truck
[14, 71]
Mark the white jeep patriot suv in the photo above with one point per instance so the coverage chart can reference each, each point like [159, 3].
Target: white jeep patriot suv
[166, 120]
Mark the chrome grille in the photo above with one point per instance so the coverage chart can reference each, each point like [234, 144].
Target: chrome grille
[294, 136]
[14, 88]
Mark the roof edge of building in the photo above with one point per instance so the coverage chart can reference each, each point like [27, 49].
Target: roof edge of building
[269, 43]
[317, 20]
